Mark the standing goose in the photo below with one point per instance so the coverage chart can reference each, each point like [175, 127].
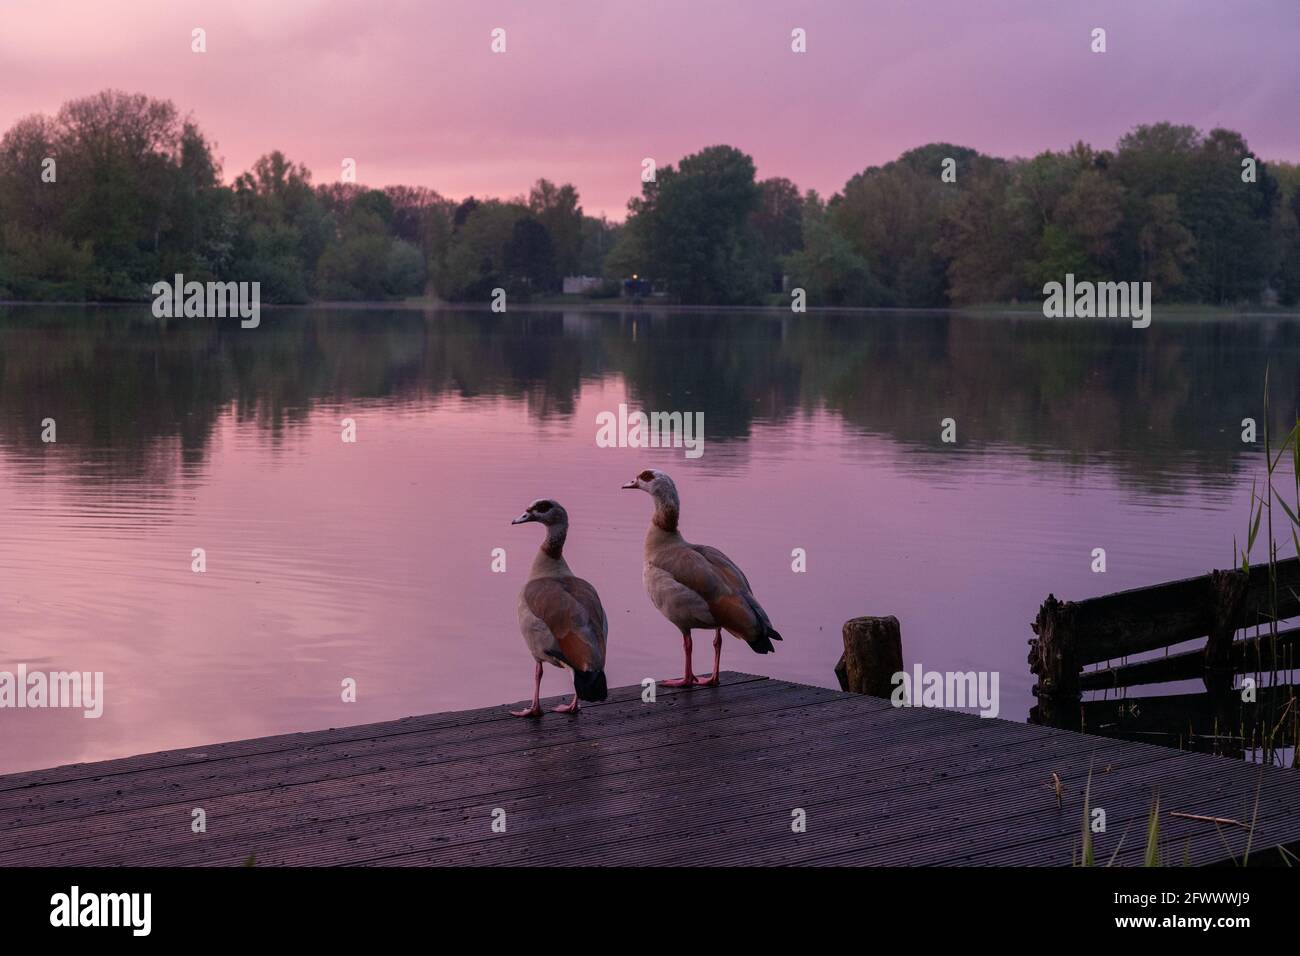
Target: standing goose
[560, 615]
[694, 585]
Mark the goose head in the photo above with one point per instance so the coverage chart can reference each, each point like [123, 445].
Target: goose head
[654, 482]
[661, 488]
[544, 511]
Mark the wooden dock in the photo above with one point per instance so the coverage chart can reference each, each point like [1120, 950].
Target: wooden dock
[701, 776]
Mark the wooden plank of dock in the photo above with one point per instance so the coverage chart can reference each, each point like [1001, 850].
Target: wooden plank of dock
[700, 776]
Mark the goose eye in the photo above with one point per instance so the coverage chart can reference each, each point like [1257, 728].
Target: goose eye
[646, 476]
[542, 508]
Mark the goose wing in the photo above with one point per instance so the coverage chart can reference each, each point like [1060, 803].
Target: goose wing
[571, 609]
[718, 582]
[725, 567]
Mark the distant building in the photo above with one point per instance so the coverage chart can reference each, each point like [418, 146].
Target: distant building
[637, 288]
[578, 285]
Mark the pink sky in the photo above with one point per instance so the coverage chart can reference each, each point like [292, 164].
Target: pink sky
[410, 89]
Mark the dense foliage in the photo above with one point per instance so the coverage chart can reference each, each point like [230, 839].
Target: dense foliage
[136, 194]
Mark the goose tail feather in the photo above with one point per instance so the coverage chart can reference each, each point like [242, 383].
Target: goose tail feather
[590, 685]
[762, 644]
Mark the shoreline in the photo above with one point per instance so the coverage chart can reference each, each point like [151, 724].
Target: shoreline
[1008, 310]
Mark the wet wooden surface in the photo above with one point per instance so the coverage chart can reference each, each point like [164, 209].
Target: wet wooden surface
[700, 776]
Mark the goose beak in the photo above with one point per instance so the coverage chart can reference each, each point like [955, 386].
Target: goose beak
[629, 484]
[523, 518]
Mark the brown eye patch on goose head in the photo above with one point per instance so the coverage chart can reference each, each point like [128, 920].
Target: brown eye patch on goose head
[542, 507]
[647, 476]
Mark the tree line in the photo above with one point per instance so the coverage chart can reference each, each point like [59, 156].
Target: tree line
[119, 190]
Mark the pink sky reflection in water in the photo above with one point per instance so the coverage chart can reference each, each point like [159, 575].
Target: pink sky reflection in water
[373, 561]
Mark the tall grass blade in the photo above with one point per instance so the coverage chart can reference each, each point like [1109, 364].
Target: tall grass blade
[1152, 857]
[1089, 859]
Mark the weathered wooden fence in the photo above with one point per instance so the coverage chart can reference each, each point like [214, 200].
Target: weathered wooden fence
[1074, 634]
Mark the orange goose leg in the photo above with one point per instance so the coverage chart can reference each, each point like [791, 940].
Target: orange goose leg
[712, 679]
[690, 679]
[536, 709]
[570, 708]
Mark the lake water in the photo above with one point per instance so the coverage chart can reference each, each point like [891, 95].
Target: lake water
[372, 560]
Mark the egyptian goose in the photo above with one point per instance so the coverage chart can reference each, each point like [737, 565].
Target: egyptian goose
[560, 615]
[694, 585]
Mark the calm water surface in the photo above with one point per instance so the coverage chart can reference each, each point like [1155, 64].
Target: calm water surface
[372, 560]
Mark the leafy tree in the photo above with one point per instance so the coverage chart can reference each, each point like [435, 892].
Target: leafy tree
[405, 270]
[892, 214]
[1067, 211]
[982, 239]
[117, 154]
[778, 223]
[1190, 222]
[198, 229]
[424, 218]
[136, 194]
[556, 209]
[1164, 244]
[37, 260]
[476, 258]
[1231, 221]
[1091, 212]
[630, 254]
[1286, 234]
[599, 236]
[26, 201]
[529, 256]
[463, 211]
[698, 230]
[283, 228]
[828, 268]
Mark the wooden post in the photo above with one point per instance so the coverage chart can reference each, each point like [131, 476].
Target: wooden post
[1053, 660]
[1228, 591]
[873, 654]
